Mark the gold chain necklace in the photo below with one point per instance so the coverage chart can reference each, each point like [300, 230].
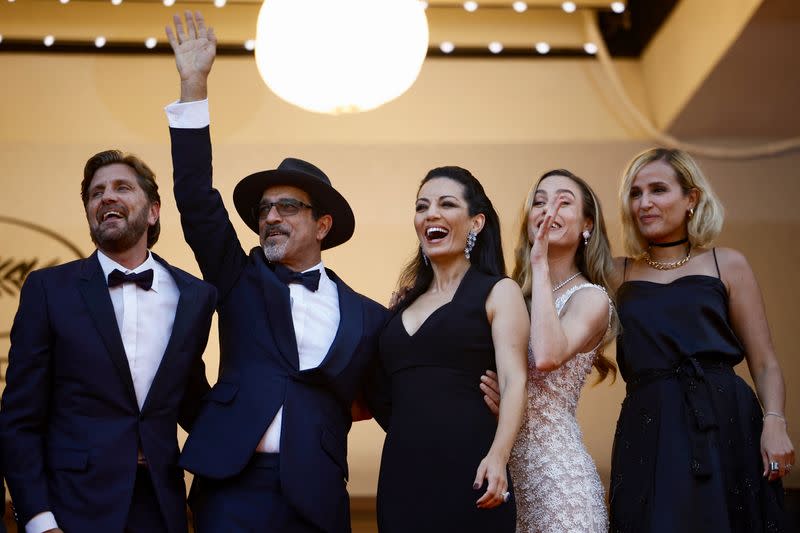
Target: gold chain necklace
[667, 266]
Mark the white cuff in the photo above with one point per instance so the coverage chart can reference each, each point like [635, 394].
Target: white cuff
[188, 115]
[41, 522]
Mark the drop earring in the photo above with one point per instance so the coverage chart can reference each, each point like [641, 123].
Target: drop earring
[424, 257]
[586, 236]
[471, 237]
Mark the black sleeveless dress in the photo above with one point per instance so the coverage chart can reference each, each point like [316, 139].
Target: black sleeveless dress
[440, 428]
[686, 451]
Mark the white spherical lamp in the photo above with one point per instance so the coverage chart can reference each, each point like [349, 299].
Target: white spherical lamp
[340, 56]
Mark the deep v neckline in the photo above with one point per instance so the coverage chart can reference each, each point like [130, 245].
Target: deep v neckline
[435, 311]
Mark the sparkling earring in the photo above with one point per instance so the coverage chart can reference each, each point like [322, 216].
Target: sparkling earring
[586, 236]
[424, 257]
[471, 237]
[691, 212]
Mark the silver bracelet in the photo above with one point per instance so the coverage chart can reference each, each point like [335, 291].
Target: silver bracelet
[773, 413]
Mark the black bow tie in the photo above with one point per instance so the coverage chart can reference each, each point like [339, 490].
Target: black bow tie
[143, 279]
[309, 280]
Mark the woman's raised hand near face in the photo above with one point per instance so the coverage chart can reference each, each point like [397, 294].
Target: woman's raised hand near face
[542, 237]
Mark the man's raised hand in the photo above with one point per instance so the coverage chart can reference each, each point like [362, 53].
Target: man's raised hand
[195, 48]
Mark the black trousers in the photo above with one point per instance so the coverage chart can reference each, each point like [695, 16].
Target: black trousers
[251, 502]
[144, 515]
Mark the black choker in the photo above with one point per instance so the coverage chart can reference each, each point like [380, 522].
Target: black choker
[669, 244]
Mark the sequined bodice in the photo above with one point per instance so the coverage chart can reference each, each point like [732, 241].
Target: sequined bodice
[560, 389]
[556, 482]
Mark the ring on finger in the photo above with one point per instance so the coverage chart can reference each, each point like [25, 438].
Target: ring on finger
[774, 466]
[787, 468]
[506, 496]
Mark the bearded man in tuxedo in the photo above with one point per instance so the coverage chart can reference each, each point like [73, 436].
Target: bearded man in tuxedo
[105, 360]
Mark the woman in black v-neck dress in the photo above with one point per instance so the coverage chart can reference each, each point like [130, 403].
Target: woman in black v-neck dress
[444, 462]
[693, 451]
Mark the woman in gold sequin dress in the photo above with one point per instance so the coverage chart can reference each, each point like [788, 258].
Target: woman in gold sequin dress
[563, 263]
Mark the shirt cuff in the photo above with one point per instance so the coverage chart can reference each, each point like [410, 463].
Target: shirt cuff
[188, 115]
[41, 522]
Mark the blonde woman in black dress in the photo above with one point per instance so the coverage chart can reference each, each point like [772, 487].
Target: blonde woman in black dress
[695, 450]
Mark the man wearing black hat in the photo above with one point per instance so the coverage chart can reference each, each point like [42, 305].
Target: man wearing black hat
[269, 447]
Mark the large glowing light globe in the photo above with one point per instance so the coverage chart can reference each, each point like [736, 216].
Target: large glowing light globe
[340, 56]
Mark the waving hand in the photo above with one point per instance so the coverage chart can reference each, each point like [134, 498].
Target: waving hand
[195, 48]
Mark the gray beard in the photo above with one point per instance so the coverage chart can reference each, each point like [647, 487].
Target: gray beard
[274, 252]
[120, 242]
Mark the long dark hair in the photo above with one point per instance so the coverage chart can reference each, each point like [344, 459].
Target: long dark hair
[486, 256]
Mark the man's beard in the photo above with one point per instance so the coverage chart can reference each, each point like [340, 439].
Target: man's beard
[274, 252]
[114, 240]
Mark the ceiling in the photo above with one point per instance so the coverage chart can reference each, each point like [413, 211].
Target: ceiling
[75, 24]
[754, 90]
[748, 91]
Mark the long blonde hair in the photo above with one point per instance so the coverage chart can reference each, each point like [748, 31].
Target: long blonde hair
[594, 260]
[702, 228]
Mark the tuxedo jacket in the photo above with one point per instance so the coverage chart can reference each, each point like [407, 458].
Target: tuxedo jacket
[70, 425]
[259, 367]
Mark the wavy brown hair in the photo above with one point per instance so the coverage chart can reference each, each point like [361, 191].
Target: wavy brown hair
[594, 260]
[144, 176]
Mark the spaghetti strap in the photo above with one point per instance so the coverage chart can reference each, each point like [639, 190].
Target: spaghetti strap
[716, 264]
[625, 270]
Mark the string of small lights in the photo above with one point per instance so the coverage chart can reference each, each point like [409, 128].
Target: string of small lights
[152, 45]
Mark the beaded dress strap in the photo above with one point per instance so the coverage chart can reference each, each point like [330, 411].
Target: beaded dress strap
[564, 298]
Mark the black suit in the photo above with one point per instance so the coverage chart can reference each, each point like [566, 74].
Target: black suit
[259, 369]
[70, 424]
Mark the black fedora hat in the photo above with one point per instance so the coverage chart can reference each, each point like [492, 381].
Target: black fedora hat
[303, 175]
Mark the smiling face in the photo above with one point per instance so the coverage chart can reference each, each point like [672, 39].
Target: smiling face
[293, 240]
[442, 218]
[570, 222]
[659, 205]
[118, 210]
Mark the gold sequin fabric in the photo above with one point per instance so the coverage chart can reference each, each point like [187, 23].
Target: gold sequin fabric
[556, 485]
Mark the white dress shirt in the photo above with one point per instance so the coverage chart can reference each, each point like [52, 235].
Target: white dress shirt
[187, 115]
[315, 315]
[145, 320]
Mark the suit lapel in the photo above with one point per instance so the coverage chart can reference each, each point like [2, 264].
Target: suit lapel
[278, 307]
[351, 326]
[180, 327]
[94, 289]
